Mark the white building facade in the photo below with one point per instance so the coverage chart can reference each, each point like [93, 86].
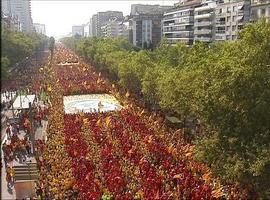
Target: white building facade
[259, 9]
[178, 24]
[78, 30]
[204, 25]
[40, 28]
[231, 18]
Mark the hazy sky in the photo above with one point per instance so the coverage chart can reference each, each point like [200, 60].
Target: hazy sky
[60, 16]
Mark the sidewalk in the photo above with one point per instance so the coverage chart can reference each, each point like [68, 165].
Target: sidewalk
[7, 114]
[10, 194]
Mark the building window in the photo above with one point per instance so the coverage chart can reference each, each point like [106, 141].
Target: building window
[228, 9]
[262, 11]
[234, 8]
[228, 19]
[228, 37]
[233, 28]
[227, 28]
[234, 37]
[233, 18]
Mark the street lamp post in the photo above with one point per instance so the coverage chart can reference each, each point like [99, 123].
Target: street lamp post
[12, 108]
[20, 98]
[32, 132]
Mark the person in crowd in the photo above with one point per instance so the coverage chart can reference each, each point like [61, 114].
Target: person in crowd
[38, 190]
[14, 139]
[18, 128]
[5, 153]
[8, 176]
[28, 147]
[8, 131]
[12, 174]
[23, 149]
[4, 147]
[39, 120]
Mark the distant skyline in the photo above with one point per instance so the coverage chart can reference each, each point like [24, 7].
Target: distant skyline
[60, 16]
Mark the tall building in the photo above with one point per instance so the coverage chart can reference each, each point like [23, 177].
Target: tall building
[11, 22]
[78, 30]
[116, 29]
[111, 29]
[40, 28]
[125, 30]
[144, 8]
[230, 18]
[204, 25]
[146, 29]
[145, 22]
[102, 18]
[90, 27]
[86, 29]
[259, 9]
[20, 8]
[178, 23]
[94, 25]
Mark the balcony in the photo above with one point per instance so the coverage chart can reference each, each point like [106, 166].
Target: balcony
[203, 8]
[260, 2]
[203, 39]
[220, 37]
[178, 35]
[179, 20]
[206, 15]
[168, 17]
[178, 38]
[220, 31]
[220, 23]
[219, 15]
[206, 23]
[168, 25]
[177, 31]
[202, 32]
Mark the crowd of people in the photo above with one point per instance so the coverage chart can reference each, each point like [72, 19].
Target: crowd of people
[103, 157]
[15, 148]
[18, 143]
[126, 154]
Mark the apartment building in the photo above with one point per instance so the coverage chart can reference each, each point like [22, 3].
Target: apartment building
[145, 23]
[111, 29]
[102, 18]
[11, 22]
[259, 9]
[94, 25]
[230, 18]
[21, 9]
[125, 30]
[78, 30]
[40, 28]
[86, 29]
[146, 29]
[178, 23]
[204, 25]
[144, 8]
[90, 28]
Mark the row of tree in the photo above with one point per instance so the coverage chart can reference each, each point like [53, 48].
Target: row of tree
[226, 85]
[16, 46]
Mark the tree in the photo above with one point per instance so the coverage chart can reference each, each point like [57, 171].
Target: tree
[4, 68]
[225, 85]
[16, 46]
[51, 45]
[233, 100]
